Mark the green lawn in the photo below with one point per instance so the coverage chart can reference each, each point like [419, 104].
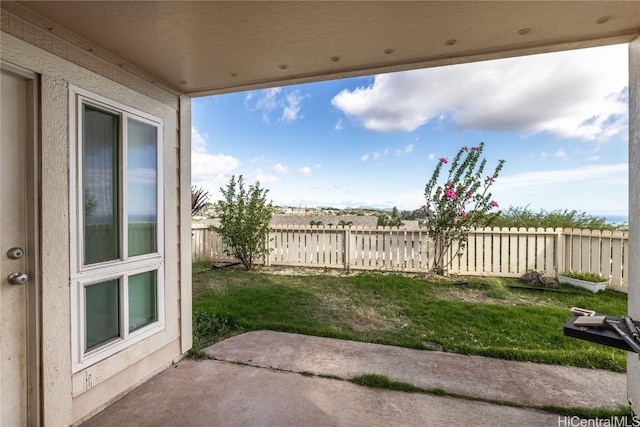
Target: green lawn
[484, 318]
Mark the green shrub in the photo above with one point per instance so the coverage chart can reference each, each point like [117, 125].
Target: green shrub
[526, 217]
[209, 327]
[244, 216]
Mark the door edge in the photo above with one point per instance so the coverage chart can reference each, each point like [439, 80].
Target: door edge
[32, 251]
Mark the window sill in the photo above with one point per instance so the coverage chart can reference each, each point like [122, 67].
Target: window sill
[109, 349]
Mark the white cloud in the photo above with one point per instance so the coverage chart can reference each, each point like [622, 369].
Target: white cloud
[339, 126]
[284, 104]
[560, 154]
[573, 94]
[406, 150]
[206, 167]
[431, 156]
[292, 106]
[280, 168]
[593, 189]
[376, 155]
[305, 171]
[198, 142]
[266, 178]
[267, 102]
[612, 174]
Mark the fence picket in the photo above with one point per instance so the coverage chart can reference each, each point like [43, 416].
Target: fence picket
[478, 253]
[504, 250]
[594, 251]
[516, 250]
[495, 250]
[540, 247]
[616, 259]
[531, 252]
[549, 252]
[605, 254]
[470, 254]
[585, 250]
[576, 245]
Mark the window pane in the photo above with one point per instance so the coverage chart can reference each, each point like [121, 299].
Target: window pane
[100, 185]
[102, 319]
[142, 178]
[142, 300]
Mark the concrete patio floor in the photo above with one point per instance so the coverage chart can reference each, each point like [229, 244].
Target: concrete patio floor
[255, 380]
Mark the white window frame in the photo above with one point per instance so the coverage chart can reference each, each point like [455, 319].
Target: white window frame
[120, 269]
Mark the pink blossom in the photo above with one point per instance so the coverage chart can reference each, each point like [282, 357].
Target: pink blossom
[465, 148]
[450, 194]
[463, 213]
[469, 195]
[423, 207]
[489, 179]
[444, 160]
[494, 203]
[478, 149]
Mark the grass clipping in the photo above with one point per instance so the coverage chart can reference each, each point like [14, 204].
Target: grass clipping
[493, 287]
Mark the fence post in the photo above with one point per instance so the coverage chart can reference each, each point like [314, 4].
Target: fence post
[560, 242]
[347, 248]
[267, 254]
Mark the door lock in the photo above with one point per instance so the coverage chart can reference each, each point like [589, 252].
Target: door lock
[15, 253]
[18, 279]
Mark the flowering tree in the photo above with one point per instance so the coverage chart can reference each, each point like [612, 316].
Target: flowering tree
[458, 205]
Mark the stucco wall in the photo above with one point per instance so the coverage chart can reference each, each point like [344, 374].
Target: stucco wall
[69, 397]
[633, 365]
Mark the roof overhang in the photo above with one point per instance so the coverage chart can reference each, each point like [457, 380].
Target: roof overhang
[202, 48]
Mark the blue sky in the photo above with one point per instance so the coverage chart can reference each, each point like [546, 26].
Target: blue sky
[559, 120]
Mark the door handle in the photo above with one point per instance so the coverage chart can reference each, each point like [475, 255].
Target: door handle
[18, 279]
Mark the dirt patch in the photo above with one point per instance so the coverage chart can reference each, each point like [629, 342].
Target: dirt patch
[305, 271]
[362, 318]
[337, 272]
[480, 296]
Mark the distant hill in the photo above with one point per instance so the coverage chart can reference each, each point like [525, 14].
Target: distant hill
[356, 220]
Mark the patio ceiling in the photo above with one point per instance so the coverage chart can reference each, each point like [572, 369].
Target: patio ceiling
[202, 48]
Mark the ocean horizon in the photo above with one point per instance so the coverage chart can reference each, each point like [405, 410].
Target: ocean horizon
[616, 219]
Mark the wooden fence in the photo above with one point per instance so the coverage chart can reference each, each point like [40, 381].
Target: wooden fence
[503, 252]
